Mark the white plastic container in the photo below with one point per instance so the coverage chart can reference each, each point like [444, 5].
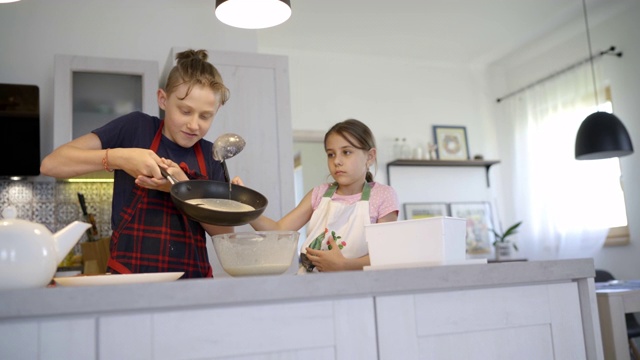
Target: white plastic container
[419, 242]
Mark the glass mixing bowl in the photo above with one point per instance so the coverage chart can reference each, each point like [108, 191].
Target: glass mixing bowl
[256, 253]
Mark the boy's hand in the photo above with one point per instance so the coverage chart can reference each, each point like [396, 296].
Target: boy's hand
[162, 183]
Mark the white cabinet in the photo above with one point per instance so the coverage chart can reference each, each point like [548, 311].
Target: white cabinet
[537, 322]
[53, 338]
[19, 340]
[91, 91]
[338, 329]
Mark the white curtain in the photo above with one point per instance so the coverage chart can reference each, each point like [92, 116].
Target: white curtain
[562, 201]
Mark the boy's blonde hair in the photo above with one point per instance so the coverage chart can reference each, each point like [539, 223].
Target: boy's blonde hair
[192, 68]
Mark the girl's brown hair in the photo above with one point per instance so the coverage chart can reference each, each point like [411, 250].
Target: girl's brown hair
[359, 132]
[192, 68]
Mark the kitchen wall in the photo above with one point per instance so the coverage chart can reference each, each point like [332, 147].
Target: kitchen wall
[397, 97]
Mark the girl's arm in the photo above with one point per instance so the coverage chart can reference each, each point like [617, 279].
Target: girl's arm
[216, 229]
[392, 216]
[390, 204]
[294, 220]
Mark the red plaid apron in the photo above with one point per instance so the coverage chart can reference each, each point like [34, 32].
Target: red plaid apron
[154, 236]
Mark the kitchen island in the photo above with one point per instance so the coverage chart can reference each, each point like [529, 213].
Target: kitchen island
[544, 309]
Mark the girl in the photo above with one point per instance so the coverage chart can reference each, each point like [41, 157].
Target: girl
[337, 212]
[149, 233]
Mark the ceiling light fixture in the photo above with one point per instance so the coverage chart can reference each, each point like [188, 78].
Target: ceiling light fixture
[8, 1]
[253, 14]
[601, 135]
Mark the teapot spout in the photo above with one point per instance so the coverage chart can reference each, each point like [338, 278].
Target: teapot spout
[66, 238]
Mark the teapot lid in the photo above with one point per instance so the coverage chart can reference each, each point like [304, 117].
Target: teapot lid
[9, 212]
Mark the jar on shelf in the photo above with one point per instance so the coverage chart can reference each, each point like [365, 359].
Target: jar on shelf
[406, 150]
[397, 149]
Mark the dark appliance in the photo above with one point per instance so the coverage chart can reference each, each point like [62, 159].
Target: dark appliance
[19, 130]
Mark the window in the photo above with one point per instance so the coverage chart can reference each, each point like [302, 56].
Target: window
[605, 175]
[568, 206]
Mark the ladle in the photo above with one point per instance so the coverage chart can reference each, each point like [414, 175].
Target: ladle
[225, 147]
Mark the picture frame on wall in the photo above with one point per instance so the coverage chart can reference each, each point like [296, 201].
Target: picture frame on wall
[480, 237]
[424, 210]
[451, 142]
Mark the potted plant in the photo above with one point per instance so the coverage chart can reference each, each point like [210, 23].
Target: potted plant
[502, 244]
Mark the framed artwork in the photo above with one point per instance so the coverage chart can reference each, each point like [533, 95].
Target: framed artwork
[479, 224]
[424, 210]
[451, 142]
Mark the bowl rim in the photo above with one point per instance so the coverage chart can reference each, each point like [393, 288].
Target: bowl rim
[265, 232]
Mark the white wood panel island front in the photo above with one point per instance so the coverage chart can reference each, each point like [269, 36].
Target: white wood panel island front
[537, 310]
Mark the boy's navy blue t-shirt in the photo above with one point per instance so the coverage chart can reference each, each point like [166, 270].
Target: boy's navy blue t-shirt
[137, 130]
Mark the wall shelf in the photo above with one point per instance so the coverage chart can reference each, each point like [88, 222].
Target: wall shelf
[447, 163]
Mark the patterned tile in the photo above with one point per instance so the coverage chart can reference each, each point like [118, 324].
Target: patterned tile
[105, 230]
[68, 212]
[21, 192]
[24, 211]
[4, 192]
[65, 192]
[106, 192]
[43, 212]
[55, 204]
[91, 193]
[44, 192]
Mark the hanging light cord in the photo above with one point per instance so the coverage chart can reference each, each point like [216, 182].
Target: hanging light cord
[593, 71]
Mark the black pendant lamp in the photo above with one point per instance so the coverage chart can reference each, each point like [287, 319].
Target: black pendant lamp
[601, 135]
[253, 14]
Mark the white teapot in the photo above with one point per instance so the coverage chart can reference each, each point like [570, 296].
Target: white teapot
[30, 253]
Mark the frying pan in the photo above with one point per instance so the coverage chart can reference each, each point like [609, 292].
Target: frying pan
[181, 191]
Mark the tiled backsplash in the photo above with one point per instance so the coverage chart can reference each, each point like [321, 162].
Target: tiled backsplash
[55, 204]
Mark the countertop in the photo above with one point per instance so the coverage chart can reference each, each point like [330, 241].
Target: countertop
[220, 292]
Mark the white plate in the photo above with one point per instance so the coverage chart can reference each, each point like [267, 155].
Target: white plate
[117, 279]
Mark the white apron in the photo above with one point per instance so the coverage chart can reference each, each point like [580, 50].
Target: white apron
[347, 221]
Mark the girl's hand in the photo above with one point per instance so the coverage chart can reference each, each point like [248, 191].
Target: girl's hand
[327, 260]
[237, 181]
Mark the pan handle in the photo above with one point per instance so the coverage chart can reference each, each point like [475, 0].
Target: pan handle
[170, 177]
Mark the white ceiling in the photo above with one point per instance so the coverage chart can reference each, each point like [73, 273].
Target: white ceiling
[437, 31]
